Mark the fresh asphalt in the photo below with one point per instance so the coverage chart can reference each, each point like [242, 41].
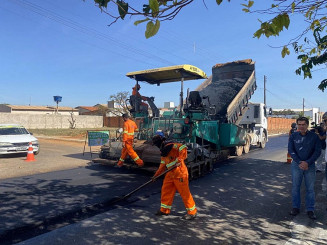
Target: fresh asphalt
[245, 200]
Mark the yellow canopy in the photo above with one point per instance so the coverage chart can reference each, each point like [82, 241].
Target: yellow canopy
[168, 74]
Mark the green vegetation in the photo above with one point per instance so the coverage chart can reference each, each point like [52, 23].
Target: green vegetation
[310, 44]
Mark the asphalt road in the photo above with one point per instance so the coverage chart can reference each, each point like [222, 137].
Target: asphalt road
[245, 200]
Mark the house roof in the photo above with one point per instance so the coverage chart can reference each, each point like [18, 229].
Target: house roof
[104, 105]
[89, 108]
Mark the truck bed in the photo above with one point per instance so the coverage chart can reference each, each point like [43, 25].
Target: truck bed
[229, 89]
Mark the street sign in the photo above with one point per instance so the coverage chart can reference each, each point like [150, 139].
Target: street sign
[96, 138]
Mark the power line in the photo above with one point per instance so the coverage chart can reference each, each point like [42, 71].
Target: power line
[88, 31]
[180, 41]
[148, 44]
[283, 99]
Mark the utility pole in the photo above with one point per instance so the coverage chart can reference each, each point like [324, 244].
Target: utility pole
[303, 107]
[264, 89]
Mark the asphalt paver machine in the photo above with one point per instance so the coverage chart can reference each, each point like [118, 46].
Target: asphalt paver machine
[208, 120]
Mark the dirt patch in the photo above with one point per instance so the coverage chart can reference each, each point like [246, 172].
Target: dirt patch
[74, 133]
[55, 155]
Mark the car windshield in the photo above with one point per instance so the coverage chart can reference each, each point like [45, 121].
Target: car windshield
[13, 131]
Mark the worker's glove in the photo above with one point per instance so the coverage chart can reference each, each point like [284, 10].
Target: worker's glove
[178, 164]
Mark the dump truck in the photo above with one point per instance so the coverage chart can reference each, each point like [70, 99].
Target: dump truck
[215, 121]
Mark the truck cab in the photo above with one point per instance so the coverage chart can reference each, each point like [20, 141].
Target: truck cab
[255, 121]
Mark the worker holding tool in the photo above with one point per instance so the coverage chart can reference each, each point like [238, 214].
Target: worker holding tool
[173, 156]
[128, 137]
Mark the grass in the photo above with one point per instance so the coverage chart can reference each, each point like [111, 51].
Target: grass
[76, 132]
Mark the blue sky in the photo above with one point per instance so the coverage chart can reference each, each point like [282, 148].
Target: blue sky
[66, 48]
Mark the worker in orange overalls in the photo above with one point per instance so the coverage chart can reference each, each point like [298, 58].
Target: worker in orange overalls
[136, 92]
[128, 137]
[177, 179]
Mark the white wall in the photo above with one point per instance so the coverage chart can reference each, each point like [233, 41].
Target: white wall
[32, 121]
[44, 112]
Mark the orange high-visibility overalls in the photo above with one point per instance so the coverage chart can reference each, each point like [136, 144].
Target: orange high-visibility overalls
[176, 179]
[137, 93]
[128, 136]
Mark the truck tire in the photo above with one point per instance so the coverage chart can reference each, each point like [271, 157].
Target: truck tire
[238, 150]
[264, 140]
[246, 147]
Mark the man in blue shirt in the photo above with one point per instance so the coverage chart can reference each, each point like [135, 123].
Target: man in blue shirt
[304, 147]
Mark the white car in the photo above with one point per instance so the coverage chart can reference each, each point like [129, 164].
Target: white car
[15, 138]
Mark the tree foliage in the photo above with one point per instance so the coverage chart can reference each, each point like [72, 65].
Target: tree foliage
[151, 11]
[311, 50]
[311, 43]
[284, 112]
[120, 103]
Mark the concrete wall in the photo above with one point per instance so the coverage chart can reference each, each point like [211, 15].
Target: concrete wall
[31, 121]
[45, 112]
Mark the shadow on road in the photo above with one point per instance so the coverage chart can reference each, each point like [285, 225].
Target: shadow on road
[14, 155]
[243, 201]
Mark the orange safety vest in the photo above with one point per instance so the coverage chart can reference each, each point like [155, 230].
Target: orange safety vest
[177, 155]
[137, 93]
[129, 128]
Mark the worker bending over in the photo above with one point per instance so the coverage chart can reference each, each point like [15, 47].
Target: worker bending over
[128, 137]
[177, 179]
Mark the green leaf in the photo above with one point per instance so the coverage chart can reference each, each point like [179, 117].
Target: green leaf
[152, 29]
[293, 7]
[313, 51]
[102, 3]
[285, 51]
[219, 1]
[245, 10]
[323, 85]
[315, 24]
[140, 21]
[298, 71]
[258, 33]
[154, 5]
[250, 4]
[146, 8]
[286, 20]
[122, 8]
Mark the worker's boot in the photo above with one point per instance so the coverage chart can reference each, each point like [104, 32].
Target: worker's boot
[140, 163]
[189, 216]
[120, 163]
[159, 213]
